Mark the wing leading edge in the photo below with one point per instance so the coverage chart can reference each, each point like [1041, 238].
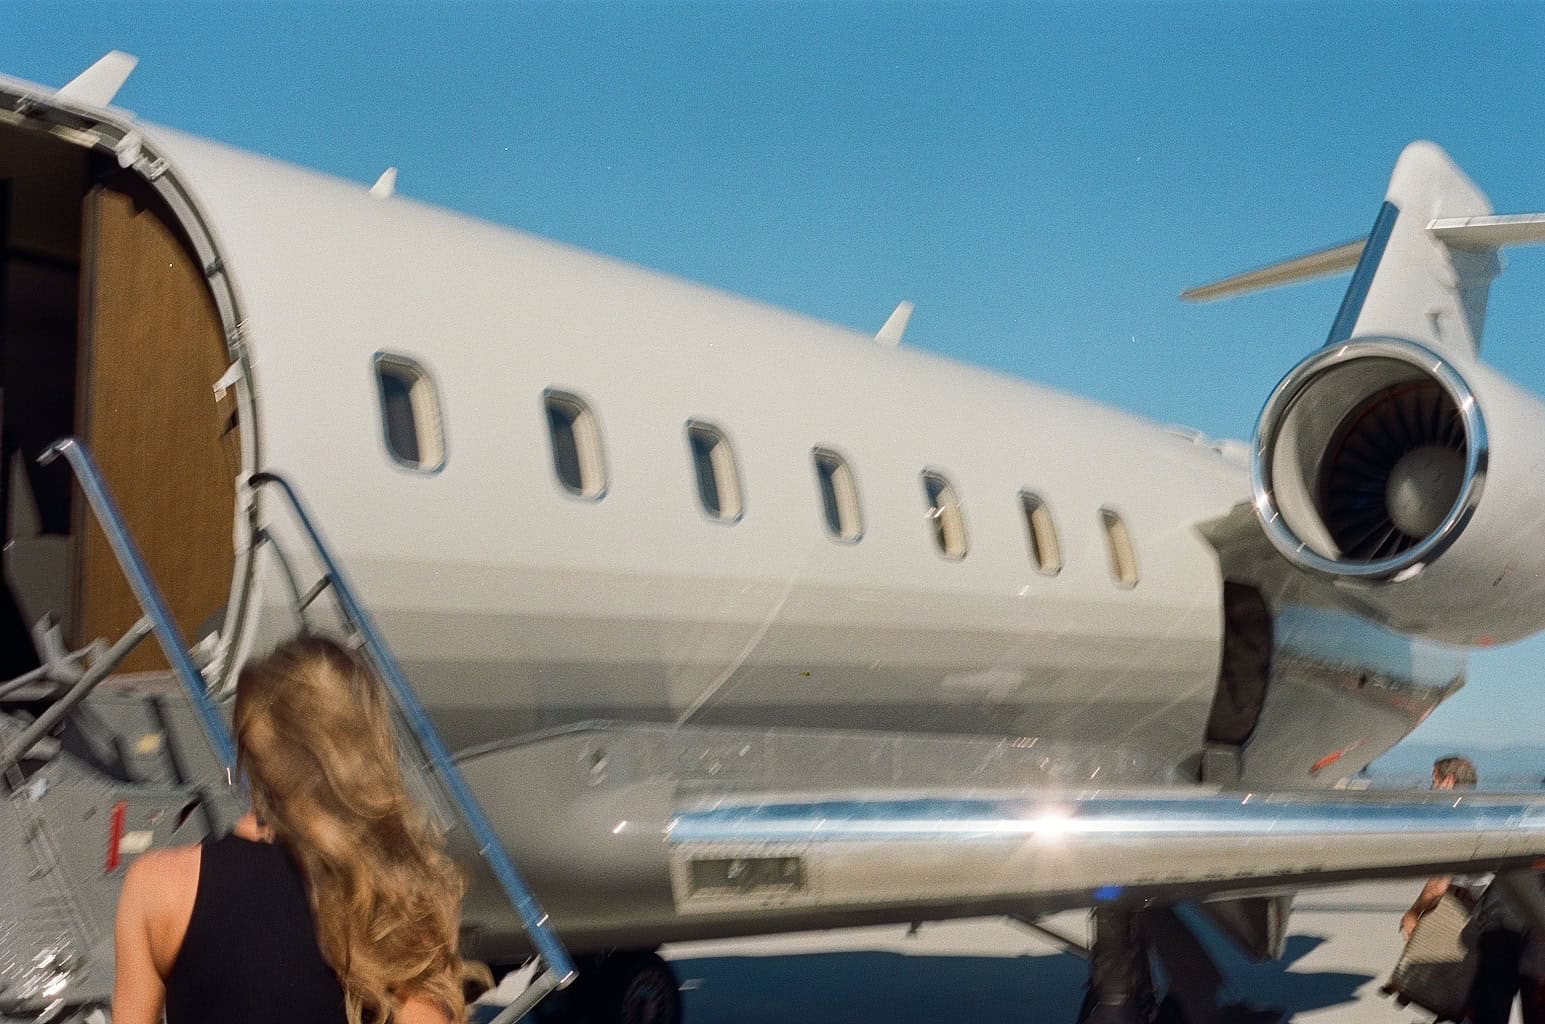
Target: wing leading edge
[1014, 851]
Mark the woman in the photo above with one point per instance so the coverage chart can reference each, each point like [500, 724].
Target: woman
[332, 900]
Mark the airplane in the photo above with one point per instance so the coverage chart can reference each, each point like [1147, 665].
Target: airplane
[737, 622]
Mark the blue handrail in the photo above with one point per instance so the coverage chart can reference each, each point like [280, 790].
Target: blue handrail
[532, 915]
[145, 591]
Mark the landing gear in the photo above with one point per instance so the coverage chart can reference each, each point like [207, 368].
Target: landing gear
[1121, 974]
[1120, 978]
[625, 987]
[1127, 945]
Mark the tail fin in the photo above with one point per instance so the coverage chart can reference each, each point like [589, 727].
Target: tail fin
[1423, 272]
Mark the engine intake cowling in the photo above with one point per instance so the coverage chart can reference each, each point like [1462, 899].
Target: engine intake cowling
[1370, 463]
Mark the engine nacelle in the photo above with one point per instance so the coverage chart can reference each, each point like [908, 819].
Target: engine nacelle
[1421, 483]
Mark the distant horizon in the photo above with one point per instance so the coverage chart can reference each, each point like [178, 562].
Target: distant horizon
[1411, 763]
[1414, 741]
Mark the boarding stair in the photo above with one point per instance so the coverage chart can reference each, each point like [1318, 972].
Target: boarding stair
[58, 798]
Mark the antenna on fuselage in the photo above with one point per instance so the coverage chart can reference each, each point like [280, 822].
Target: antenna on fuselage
[385, 185]
[98, 84]
[896, 326]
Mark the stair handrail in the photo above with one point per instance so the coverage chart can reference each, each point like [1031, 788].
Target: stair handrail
[151, 602]
[560, 967]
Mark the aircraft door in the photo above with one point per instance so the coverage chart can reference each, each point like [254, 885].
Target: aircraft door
[151, 346]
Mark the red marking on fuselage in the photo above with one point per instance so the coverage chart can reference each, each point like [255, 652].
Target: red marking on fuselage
[1334, 756]
[115, 834]
[1325, 762]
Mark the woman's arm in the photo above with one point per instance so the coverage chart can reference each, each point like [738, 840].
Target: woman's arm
[138, 992]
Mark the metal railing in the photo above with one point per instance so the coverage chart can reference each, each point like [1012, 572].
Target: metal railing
[157, 619]
[559, 969]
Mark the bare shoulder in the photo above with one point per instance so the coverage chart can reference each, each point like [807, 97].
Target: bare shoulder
[157, 901]
[161, 881]
[169, 868]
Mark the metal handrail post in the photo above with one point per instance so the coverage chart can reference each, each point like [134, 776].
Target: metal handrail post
[41, 725]
[541, 986]
[145, 591]
[490, 848]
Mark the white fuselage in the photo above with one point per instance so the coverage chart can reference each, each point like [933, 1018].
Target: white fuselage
[607, 660]
[517, 605]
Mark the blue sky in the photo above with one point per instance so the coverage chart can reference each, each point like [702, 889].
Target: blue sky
[1041, 179]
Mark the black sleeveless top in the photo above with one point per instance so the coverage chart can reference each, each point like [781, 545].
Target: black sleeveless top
[250, 955]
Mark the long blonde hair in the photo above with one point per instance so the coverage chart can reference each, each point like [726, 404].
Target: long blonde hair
[315, 742]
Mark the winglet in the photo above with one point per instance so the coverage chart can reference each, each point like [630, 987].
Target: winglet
[896, 326]
[98, 84]
[385, 185]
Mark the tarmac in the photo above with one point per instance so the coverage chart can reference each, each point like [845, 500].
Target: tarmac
[1342, 944]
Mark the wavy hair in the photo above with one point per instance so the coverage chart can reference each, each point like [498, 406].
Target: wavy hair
[315, 741]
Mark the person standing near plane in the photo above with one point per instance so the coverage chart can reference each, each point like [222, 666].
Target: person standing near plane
[1452, 772]
[331, 901]
[1531, 971]
[1494, 929]
[1498, 936]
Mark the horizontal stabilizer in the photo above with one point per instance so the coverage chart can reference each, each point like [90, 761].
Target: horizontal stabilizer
[1470, 234]
[1333, 260]
[1481, 233]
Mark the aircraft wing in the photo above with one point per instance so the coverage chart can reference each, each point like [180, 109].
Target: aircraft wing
[999, 851]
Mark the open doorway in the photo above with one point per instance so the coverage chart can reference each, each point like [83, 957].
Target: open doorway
[107, 332]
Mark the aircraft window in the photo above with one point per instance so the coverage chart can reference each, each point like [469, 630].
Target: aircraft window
[718, 482]
[944, 511]
[410, 413]
[1123, 559]
[1045, 551]
[839, 495]
[576, 439]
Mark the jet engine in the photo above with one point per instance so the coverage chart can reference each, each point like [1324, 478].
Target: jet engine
[1415, 483]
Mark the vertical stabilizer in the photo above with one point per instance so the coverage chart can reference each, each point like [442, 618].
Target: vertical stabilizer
[1408, 283]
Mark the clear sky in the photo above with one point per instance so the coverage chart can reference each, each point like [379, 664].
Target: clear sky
[1041, 179]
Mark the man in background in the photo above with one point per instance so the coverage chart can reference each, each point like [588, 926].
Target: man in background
[1452, 772]
[1495, 929]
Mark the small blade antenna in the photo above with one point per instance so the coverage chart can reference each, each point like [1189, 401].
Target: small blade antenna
[98, 84]
[890, 334]
[386, 184]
